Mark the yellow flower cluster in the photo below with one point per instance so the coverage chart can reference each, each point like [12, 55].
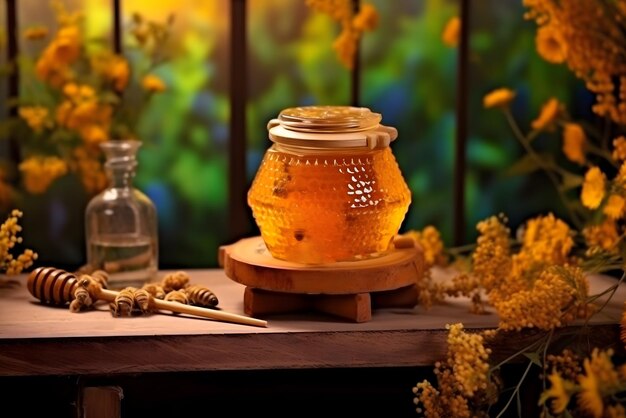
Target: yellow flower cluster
[550, 295]
[81, 111]
[595, 387]
[538, 286]
[9, 237]
[429, 240]
[88, 166]
[491, 258]
[89, 88]
[54, 64]
[464, 386]
[588, 36]
[619, 148]
[353, 26]
[36, 117]
[39, 172]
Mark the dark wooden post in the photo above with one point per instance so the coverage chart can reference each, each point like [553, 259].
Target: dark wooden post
[355, 74]
[117, 27]
[13, 78]
[237, 203]
[461, 126]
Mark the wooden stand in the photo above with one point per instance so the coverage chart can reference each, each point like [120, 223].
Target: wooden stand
[345, 289]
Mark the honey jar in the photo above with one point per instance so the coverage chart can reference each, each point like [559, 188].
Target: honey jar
[329, 188]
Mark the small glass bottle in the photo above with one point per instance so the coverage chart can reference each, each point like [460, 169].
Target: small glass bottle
[121, 222]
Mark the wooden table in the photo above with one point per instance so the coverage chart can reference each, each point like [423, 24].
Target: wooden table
[38, 341]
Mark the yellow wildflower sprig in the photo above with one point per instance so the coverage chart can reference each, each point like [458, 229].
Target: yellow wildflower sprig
[10, 236]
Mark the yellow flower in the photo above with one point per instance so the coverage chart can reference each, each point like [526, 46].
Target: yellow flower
[574, 140]
[615, 205]
[91, 172]
[367, 19]
[152, 83]
[603, 236]
[35, 33]
[498, 98]
[600, 379]
[66, 45]
[551, 44]
[549, 112]
[561, 391]
[345, 46]
[113, 68]
[619, 148]
[547, 239]
[589, 398]
[593, 188]
[39, 172]
[53, 64]
[93, 134]
[35, 116]
[451, 32]
[431, 244]
[119, 73]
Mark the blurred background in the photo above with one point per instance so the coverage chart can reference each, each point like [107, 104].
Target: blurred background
[408, 74]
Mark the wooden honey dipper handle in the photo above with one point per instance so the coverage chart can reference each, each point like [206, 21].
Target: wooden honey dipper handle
[56, 286]
[110, 295]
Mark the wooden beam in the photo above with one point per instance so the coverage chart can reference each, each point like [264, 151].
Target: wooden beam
[13, 78]
[355, 74]
[461, 126]
[117, 27]
[237, 183]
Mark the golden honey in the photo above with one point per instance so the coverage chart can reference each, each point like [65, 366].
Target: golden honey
[316, 200]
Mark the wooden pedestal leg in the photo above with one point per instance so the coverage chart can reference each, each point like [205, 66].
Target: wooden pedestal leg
[259, 302]
[356, 307]
[405, 297]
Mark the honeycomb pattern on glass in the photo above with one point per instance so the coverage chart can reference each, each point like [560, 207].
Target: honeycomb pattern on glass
[324, 208]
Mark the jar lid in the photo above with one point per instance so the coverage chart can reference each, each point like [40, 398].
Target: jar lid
[330, 127]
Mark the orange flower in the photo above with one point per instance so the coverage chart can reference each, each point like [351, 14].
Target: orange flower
[152, 83]
[452, 32]
[593, 188]
[551, 44]
[574, 140]
[498, 98]
[367, 19]
[615, 205]
[548, 115]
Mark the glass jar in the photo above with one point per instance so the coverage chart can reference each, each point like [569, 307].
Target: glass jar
[329, 188]
[121, 222]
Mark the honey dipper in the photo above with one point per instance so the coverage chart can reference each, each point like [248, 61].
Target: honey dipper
[55, 286]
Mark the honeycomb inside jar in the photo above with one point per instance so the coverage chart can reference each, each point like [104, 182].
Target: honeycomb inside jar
[324, 207]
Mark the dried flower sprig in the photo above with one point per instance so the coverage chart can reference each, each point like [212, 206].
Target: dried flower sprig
[10, 236]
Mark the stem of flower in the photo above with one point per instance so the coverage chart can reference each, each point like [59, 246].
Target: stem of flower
[516, 391]
[518, 353]
[523, 140]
